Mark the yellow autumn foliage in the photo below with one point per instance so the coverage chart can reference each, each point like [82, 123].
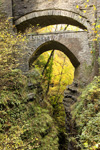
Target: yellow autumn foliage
[58, 28]
[62, 65]
[62, 70]
[10, 45]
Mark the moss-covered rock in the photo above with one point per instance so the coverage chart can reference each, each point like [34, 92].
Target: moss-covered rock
[24, 124]
[86, 113]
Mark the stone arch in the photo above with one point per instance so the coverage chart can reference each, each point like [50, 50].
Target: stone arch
[51, 17]
[49, 45]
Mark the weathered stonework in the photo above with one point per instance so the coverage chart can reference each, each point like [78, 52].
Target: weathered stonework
[26, 12]
[98, 18]
[7, 7]
[73, 44]
[52, 17]
[98, 9]
[76, 45]
[23, 7]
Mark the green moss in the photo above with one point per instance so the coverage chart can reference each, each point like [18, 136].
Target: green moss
[86, 113]
[23, 124]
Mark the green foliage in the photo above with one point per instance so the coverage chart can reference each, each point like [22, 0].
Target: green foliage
[49, 70]
[86, 113]
[58, 76]
[58, 28]
[58, 69]
[23, 124]
[10, 46]
[31, 127]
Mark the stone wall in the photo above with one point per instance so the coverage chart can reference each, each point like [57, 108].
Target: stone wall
[98, 18]
[23, 7]
[57, 11]
[24, 10]
[7, 7]
[73, 44]
[98, 9]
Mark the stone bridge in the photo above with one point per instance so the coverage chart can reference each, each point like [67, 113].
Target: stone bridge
[53, 12]
[25, 12]
[76, 45]
[73, 44]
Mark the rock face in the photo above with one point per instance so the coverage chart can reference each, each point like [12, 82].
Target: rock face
[22, 120]
[70, 97]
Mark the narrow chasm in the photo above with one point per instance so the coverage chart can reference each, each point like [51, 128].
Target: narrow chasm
[54, 67]
[39, 109]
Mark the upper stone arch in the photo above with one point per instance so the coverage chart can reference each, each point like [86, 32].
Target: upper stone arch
[51, 17]
[49, 45]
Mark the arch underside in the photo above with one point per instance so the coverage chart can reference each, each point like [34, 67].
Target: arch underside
[51, 20]
[50, 45]
[51, 17]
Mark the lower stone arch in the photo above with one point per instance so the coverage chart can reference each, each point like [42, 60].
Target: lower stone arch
[49, 45]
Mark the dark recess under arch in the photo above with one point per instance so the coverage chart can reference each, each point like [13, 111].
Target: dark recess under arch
[44, 21]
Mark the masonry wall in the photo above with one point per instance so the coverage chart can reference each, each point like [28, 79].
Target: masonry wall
[6, 6]
[98, 9]
[23, 7]
[72, 41]
[98, 17]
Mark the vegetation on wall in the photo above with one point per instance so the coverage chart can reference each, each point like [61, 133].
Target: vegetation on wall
[24, 124]
[86, 111]
[86, 114]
